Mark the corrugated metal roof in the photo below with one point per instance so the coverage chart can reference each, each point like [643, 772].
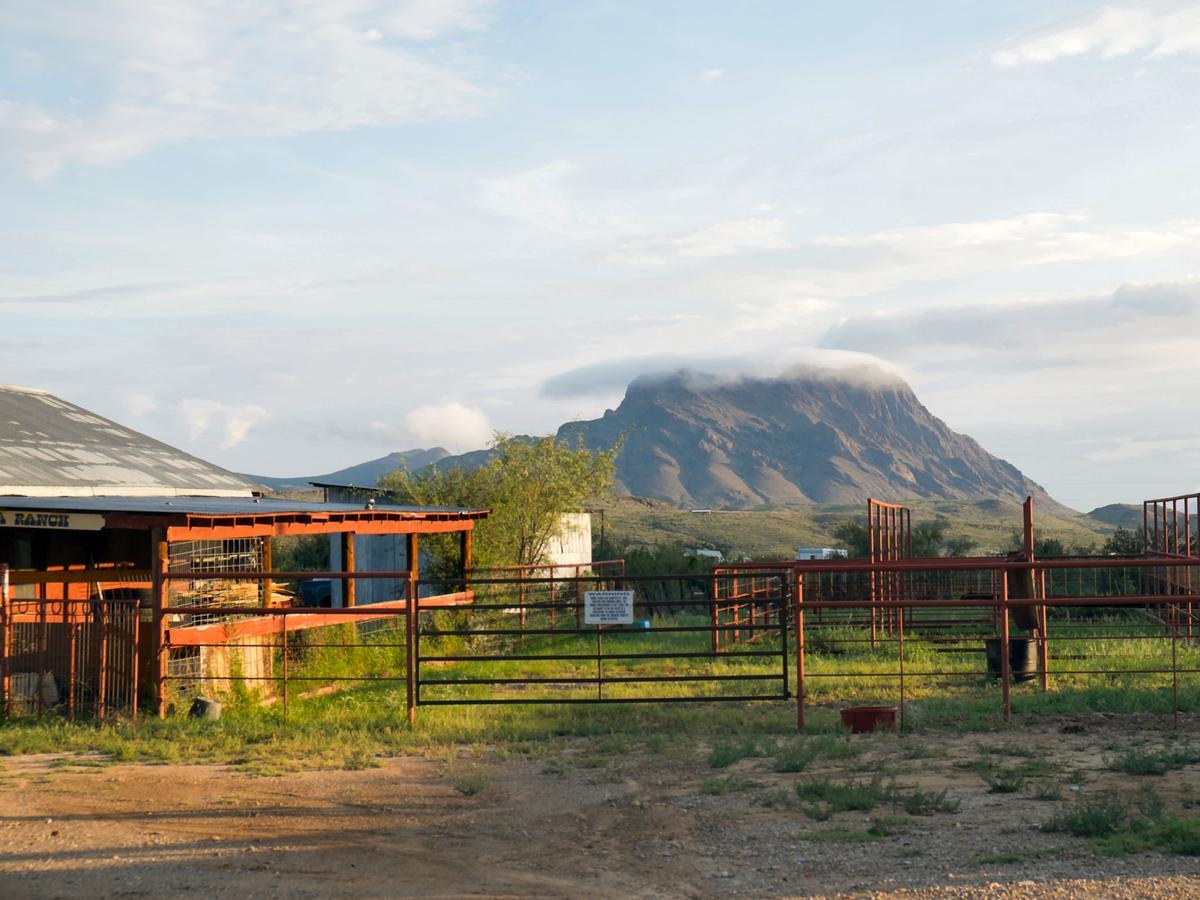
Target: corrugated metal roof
[216, 506]
[52, 448]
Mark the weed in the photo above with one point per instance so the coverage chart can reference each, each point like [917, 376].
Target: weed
[471, 781]
[1002, 859]
[360, 759]
[1097, 817]
[1154, 762]
[1180, 836]
[722, 756]
[794, 757]
[831, 797]
[870, 835]
[1004, 781]
[716, 787]
[926, 803]
[1047, 790]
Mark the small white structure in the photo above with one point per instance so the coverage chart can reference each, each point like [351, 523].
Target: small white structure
[703, 553]
[573, 543]
[820, 553]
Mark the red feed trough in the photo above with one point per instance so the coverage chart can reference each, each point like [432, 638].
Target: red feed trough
[869, 718]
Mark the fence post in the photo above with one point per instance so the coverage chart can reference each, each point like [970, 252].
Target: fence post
[1004, 661]
[799, 652]
[102, 663]
[284, 660]
[5, 652]
[160, 597]
[72, 638]
[1039, 584]
[41, 648]
[410, 628]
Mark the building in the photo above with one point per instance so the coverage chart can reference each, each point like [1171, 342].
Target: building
[820, 553]
[108, 537]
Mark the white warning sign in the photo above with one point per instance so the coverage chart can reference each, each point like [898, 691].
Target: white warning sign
[608, 607]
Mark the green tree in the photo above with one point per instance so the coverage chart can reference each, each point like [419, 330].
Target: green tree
[527, 483]
[928, 539]
[855, 538]
[1123, 542]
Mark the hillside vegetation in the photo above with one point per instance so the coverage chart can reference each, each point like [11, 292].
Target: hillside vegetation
[775, 534]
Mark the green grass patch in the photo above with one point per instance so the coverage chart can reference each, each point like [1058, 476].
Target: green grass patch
[926, 803]
[1154, 762]
[1003, 859]
[716, 787]
[852, 836]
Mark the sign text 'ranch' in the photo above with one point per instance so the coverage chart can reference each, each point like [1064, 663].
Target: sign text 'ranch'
[56, 521]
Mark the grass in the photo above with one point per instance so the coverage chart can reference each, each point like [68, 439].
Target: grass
[368, 720]
[725, 754]
[1095, 817]
[1003, 859]
[1154, 762]
[1118, 830]
[841, 796]
[467, 780]
[926, 803]
[717, 787]
[1004, 781]
[846, 835]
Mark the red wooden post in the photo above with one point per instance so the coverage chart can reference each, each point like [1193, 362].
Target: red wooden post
[160, 597]
[799, 652]
[1004, 665]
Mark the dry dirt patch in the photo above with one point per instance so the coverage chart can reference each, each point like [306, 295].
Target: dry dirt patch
[627, 822]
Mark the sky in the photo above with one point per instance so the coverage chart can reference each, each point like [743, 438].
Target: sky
[290, 237]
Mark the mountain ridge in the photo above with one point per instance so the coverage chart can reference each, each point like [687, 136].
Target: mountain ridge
[810, 436]
[364, 474]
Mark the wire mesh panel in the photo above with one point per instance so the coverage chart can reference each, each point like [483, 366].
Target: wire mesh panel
[284, 654]
[658, 646]
[69, 657]
[972, 625]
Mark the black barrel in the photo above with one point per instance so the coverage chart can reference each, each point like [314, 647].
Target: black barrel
[1022, 658]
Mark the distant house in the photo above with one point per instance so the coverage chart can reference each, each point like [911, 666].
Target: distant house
[704, 553]
[820, 553]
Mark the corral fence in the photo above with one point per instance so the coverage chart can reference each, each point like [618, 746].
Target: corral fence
[66, 646]
[485, 640]
[892, 631]
[1073, 623]
[604, 639]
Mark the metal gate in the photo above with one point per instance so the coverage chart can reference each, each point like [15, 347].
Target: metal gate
[541, 640]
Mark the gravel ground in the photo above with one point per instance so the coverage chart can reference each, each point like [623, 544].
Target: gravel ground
[610, 823]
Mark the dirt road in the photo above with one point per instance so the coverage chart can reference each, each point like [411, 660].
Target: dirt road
[622, 822]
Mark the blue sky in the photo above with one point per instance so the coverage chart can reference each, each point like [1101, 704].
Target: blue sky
[293, 236]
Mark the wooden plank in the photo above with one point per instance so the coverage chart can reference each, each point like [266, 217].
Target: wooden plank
[196, 635]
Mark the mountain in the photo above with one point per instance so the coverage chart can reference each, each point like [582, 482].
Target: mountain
[363, 475]
[1123, 515]
[811, 436]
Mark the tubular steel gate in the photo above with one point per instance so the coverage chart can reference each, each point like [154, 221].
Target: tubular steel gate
[524, 641]
[64, 654]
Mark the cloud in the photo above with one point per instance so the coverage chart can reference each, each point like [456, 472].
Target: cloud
[614, 376]
[1160, 29]
[167, 72]
[1129, 447]
[234, 422]
[708, 76]
[92, 295]
[452, 425]
[1014, 326]
[538, 196]
[713, 241]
